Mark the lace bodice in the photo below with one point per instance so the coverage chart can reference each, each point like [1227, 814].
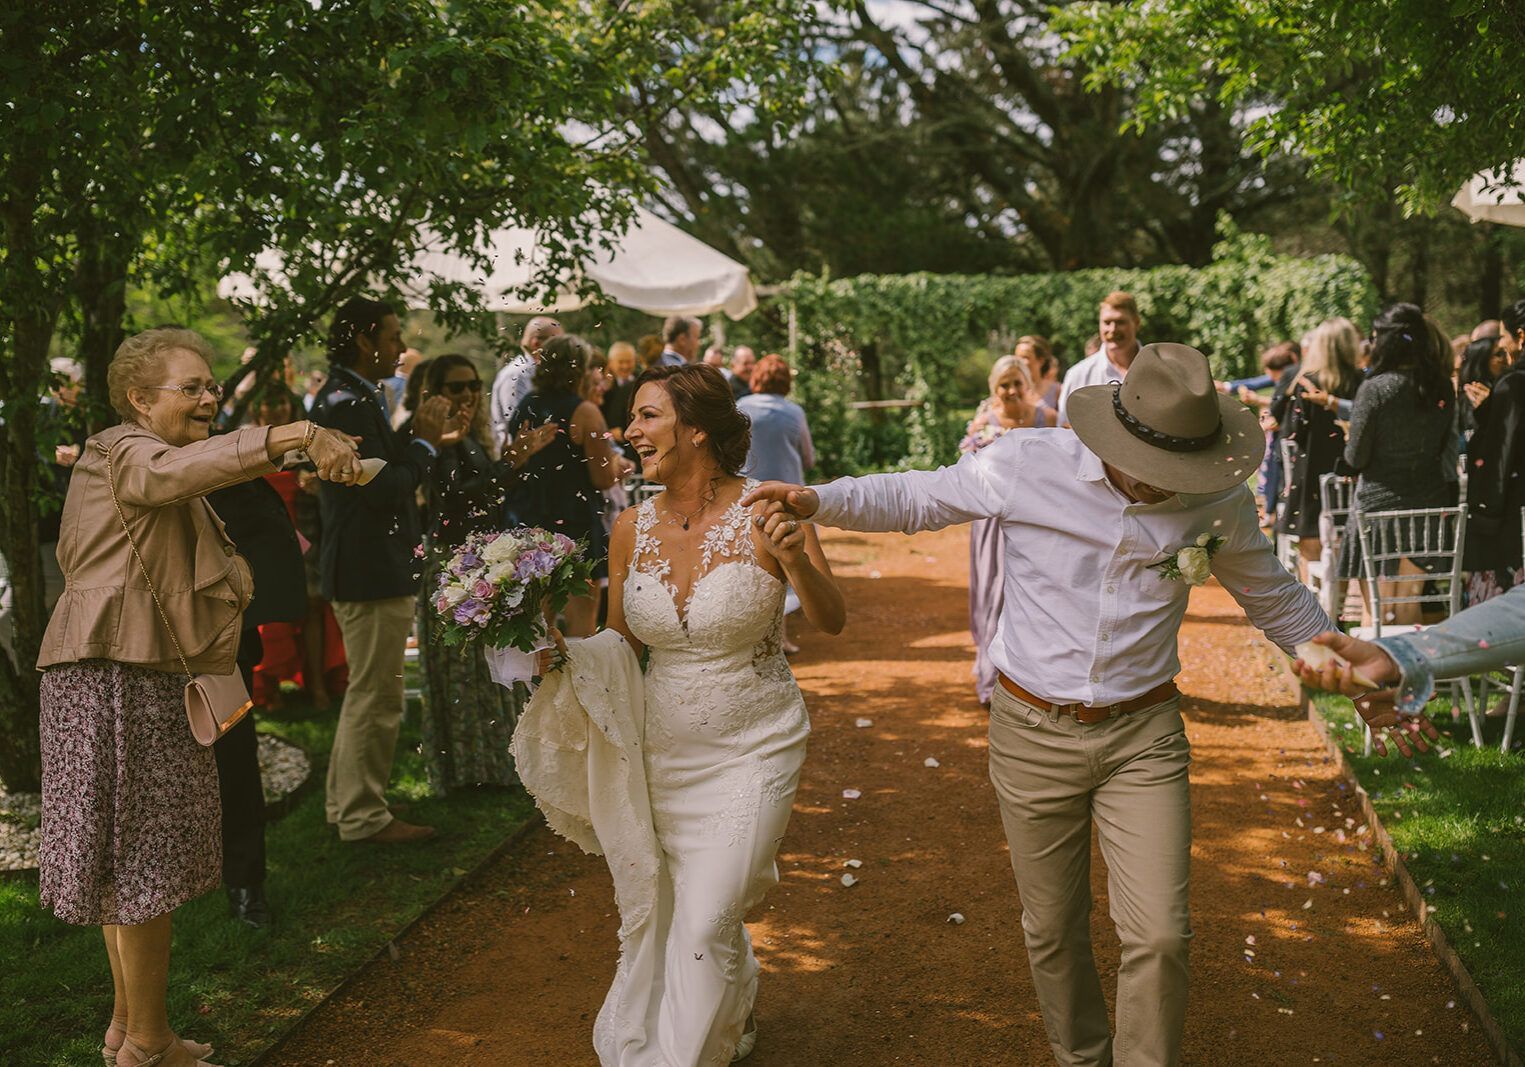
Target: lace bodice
[732, 606]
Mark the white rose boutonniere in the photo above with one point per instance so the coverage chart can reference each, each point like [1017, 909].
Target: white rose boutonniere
[1192, 564]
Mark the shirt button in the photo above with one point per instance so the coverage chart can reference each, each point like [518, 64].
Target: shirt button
[1095, 677]
[1111, 588]
[1106, 637]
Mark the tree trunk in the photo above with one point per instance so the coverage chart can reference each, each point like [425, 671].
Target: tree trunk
[21, 750]
[101, 290]
[1490, 304]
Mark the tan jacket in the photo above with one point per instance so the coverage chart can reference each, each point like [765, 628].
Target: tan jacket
[106, 611]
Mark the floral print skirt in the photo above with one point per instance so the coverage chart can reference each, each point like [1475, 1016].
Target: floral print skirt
[131, 821]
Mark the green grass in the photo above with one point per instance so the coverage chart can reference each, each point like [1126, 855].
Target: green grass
[334, 905]
[1458, 818]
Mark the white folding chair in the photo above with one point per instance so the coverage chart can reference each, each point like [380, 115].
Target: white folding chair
[1286, 544]
[1324, 579]
[1435, 534]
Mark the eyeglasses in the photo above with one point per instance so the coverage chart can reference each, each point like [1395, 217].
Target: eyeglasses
[192, 390]
[457, 388]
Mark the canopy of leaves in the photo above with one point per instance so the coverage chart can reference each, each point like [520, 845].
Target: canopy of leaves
[1408, 95]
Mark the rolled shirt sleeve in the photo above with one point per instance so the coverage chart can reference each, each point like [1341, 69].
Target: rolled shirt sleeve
[1284, 609]
[913, 501]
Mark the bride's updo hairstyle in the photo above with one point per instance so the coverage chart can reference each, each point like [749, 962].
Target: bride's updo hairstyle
[701, 398]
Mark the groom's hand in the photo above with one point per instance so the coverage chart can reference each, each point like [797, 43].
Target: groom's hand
[1359, 656]
[799, 502]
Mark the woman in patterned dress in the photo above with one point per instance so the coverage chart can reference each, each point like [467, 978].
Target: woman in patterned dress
[468, 718]
[131, 822]
[1010, 406]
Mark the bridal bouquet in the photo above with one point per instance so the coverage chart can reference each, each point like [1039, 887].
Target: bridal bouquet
[495, 588]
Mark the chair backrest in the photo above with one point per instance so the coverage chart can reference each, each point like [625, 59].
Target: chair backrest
[1430, 537]
[1335, 493]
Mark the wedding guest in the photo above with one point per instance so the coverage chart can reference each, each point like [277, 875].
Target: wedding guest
[395, 384]
[714, 356]
[1119, 321]
[1512, 330]
[622, 375]
[61, 433]
[680, 341]
[407, 401]
[563, 484]
[1486, 328]
[1495, 466]
[322, 650]
[1085, 724]
[1327, 371]
[368, 568]
[1483, 638]
[1483, 362]
[468, 719]
[1043, 369]
[516, 377]
[743, 362]
[1403, 423]
[648, 350]
[1281, 361]
[260, 526]
[130, 810]
[1012, 405]
[315, 380]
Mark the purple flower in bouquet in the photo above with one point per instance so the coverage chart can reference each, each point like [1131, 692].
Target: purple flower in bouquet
[564, 545]
[536, 563]
[467, 610]
[489, 538]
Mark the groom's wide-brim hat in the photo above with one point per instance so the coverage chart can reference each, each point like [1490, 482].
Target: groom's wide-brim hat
[1167, 425]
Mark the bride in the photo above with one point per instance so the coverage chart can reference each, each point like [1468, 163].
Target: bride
[697, 583]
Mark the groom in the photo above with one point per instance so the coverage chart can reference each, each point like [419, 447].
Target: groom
[1085, 725]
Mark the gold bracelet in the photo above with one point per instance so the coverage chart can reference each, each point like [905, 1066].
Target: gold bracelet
[310, 436]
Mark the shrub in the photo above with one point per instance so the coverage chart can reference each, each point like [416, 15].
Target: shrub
[912, 336]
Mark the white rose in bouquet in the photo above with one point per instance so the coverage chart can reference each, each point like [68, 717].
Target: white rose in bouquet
[503, 550]
[453, 594]
[1194, 564]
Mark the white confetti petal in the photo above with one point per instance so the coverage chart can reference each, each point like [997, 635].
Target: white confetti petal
[849, 881]
[957, 918]
[851, 794]
[854, 864]
[930, 761]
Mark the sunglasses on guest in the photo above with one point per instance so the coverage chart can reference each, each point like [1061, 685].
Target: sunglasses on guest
[461, 388]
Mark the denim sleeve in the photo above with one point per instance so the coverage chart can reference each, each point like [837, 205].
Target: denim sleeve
[1482, 638]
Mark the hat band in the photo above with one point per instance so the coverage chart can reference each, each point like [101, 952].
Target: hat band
[1158, 438]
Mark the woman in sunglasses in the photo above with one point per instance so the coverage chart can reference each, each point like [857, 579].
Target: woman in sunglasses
[467, 717]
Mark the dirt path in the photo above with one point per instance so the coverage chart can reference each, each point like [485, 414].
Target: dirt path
[1302, 954]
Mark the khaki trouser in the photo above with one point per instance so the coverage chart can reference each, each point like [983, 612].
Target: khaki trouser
[375, 642]
[1053, 777]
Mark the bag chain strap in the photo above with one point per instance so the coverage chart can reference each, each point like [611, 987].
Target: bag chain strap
[111, 484]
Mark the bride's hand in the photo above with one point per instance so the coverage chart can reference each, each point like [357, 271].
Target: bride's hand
[547, 658]
[783, 537]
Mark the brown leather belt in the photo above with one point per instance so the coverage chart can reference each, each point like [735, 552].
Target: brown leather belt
[1093, 714]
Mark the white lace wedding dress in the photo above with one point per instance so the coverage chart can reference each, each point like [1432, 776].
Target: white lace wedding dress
[725, 737]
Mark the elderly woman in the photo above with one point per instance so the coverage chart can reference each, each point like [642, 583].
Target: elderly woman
[130, 812]
[781, 447]
[1014, 404]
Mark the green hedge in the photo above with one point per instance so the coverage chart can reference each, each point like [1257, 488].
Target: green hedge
[910, 335]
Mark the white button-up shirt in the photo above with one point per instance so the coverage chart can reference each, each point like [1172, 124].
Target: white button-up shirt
[1085, 618]
[514, 382]
[1095, 369]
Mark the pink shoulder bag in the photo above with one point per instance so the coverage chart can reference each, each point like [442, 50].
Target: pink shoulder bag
[214, 703]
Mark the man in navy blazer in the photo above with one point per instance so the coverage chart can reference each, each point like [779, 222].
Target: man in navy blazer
[367, 564]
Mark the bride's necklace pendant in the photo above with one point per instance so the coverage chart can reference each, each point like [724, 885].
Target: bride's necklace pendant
[685, 522]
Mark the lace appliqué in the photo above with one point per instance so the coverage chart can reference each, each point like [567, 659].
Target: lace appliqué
[648, 544]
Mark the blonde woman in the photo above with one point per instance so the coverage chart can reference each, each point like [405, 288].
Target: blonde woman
[1011, 406]
[1043, 370]
[1328, 375]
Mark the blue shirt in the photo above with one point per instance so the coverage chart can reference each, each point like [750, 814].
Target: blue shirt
[781, 447]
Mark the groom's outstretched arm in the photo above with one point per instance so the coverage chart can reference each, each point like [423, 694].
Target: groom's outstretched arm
[907, 502]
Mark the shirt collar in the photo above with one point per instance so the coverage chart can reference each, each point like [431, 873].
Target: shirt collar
[1090, 469]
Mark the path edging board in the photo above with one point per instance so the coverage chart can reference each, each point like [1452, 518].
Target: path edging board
[1393, 860]
[533, 821]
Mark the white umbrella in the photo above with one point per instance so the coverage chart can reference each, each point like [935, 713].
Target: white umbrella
[1490, 197]
[654, 267]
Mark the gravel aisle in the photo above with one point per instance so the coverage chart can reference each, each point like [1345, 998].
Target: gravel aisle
[1301, 955]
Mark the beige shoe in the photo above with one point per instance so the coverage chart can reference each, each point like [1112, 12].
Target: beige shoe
[748, 1043]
